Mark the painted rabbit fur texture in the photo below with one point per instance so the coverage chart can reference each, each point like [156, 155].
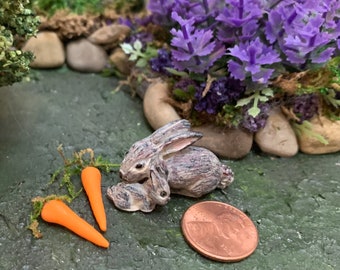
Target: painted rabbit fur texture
[141, 196]
[166, 162]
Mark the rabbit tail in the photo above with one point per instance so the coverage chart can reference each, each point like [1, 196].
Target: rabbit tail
[227, 177]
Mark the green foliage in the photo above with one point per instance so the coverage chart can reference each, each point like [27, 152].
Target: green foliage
[138, 53]
[328, 93]
[307, 128]
[16, 21]
[50, 7]
[175, 72]
[329, 96]
[182, 95]
[76, 6]
[125, 6]
[333, 65]
[262, 95]
[230, 115]
[37, 204]
[73, 167]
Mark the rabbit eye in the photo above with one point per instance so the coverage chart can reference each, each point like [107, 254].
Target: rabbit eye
[139, 166]
[163, 194]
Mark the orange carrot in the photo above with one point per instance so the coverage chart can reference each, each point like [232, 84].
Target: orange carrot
[56, 211]
[91, 180]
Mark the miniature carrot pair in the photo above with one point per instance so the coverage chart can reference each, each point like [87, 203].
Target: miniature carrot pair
[56, 211]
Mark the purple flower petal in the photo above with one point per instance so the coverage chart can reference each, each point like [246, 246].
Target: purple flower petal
[253, 56]
[236, 70]
[193, 49]
[253, 69]
[263, 75]
[323, 57]
[273, 26]
[294, 57]
[181, 55]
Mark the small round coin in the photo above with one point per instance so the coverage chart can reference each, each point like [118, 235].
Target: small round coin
[219, 231]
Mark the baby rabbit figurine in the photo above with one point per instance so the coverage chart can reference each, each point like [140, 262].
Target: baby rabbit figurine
[142, 196]
[191, 171]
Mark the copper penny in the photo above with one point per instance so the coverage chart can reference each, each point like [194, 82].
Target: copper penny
[219, 231]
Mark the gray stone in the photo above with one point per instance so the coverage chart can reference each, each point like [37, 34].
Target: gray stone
[47, 49]
[84, 56]
[277, 137]
[321, 126]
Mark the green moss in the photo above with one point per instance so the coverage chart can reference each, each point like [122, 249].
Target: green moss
[87, 6]
[76, 6]
[126, 6]
[16, 22]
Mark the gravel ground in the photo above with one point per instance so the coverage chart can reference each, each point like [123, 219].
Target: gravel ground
[294, 203]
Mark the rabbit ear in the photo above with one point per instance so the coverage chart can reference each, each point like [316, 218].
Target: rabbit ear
[170, 129]
[159, 186]
[178, 142]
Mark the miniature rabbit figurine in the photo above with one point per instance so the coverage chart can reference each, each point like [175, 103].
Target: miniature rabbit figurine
[142, 196]
[191, 171]
[195, 172]
[170, 138]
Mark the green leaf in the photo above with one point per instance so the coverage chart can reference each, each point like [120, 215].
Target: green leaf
[139, 78]
[133, 57]
[127, 48]
[254, 111]
[136, 53]
[256, 97]
[329, 95]
[151, 52]
[244, 101]
[138, 45]
[180, 94]
[142, 62]
[306, 128]
[176, 72]
[267, 92]
[262, 98]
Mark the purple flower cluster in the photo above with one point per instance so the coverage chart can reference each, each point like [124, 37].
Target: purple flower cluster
[202, 11]
[239, 20]
[194, 49]
[254, 34]
[254, 124]
[161, 12]
[304, 106]
[143, 36]
[161, 62]
[185, 84]
[304, 31]
[250, 40]
[222, 91]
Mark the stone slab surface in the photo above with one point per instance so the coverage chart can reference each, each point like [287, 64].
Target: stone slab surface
[294, 202]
